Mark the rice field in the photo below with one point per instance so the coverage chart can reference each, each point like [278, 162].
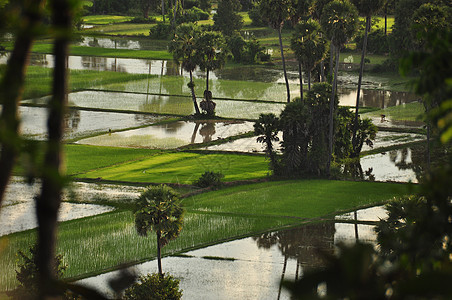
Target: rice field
[184, 168]
[94, 245]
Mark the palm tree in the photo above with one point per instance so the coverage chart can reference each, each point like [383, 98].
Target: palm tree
[267, 128]
[309, 47]
[210, 52]
[276, 12]
[182, 46]
[366, 8]
[339, 21]
[158, 209]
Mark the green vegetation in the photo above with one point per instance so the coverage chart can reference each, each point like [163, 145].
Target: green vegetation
[105, 19]
[300, 199]
[82, 158]
[184, 168]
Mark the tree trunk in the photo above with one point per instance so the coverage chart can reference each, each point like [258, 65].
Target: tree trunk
[331, 117]
[309, 80]
[332, 52]
[386, 19]
[11, 92]
[207, 80]
[284, 64]
[163, 10]
[159, 253]
[322, 67]
[193, 96]
[358, 94]
[300, 73]
[48, 202]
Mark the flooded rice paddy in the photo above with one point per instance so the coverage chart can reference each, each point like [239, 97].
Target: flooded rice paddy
[18, 211]
[172, 135]
[249, 268]
[144, 103]
[252, 268]
[80, 123]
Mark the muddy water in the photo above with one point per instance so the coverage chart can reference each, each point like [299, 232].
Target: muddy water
[81, 123]
[375, 98]
[120, 43]
[172, 135]
[252, 268]
[18, 210]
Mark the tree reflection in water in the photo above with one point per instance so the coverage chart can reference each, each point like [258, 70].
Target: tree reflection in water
[304, 244]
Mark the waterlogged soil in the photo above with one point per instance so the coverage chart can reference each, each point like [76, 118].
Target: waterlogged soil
[120, 43]
[252, 268]
[250, 144]
[226, 82]
[172, 135]
[176, 105]
[18, 211]
[81, 123]
[374, 97]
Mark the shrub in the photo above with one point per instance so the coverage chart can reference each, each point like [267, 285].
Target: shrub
[28, 272]
[194, 14]
[377, 42]
[161, 31]
[209, 178]
[154, 287]
[256, 18]
[143, 20]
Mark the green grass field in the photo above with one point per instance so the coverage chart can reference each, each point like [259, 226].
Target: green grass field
[301, 199]
[83, 158]
[105, 19]
[184, 168]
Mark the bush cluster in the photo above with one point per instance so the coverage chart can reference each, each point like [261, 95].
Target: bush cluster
[377, 42]
[154, 287]
[209, 179]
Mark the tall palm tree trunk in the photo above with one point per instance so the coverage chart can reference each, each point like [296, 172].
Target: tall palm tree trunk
[358, 94]
[332, 52]
[193, 96]
[331, 117]
[163, 10]
[11, 91]
[283, 63]
[300, 74]
[309, 80]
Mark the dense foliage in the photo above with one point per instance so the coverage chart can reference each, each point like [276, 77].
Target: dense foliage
[227, 20]
[209, 179]
[305, 141]
[154, 287]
